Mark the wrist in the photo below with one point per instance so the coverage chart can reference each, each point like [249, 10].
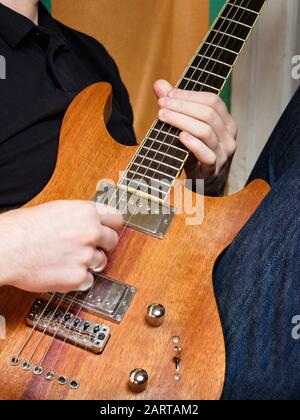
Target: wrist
[214, 186]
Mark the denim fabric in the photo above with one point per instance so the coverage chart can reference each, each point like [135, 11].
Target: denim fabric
[257, 281]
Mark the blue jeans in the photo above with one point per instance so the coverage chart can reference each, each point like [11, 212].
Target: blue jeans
[257, 281]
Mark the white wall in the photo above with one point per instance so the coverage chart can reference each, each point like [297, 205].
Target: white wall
[263, 84]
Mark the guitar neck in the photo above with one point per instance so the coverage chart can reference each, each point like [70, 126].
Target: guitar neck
[161, 157]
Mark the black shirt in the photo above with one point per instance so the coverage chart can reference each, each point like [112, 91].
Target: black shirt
[46, 67]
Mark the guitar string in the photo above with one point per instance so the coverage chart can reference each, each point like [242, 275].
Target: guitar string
[53, 295]
[208, 46]
[170, 127]
[215, 50]
[23, 346]
[193, 73]
[81, 307]
[215, 77]
[169, 132]
[61, 302]
[73, 301]
[202, 73]
[43, 313]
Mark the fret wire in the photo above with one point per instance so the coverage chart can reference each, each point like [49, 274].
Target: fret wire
[171, 145]
[240, 38]
[160, 163]
[209, 72]
[232, 29]
[178, 130]
[217, 61]
[142, 185]
[253, 4]
[232, 36]
[232, 44]
[237, 22]
[208, 61]
[241, 15]
[211, 87]
[149, 177]
[229, 10]
[243, 8]
[167, 133]
[200, 83]
[146, 167]
[246, 38]
[221, 54]
[162, 153]
[155, 165]
[223, 48]
[213, 28]
[211, 81]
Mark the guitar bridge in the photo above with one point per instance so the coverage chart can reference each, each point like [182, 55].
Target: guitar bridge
[65, 326]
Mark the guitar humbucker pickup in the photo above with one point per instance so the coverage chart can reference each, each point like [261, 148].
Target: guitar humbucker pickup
[139, 213]
[68, 327]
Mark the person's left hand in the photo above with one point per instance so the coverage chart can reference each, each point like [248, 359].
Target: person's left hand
[207, 130]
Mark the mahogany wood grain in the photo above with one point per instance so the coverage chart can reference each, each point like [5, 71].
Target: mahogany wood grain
[176, 272]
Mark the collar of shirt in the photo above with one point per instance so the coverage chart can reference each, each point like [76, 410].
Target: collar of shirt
[14, 27]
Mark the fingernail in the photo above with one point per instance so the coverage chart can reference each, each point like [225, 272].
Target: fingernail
[86, 285]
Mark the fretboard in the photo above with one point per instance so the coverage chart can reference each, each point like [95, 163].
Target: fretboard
[161, 156]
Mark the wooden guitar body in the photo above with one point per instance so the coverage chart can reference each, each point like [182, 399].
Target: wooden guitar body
[175, 271]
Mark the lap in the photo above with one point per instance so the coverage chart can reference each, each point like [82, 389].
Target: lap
[257, 281]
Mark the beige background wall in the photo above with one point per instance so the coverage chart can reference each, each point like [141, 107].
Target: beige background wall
[149, 39]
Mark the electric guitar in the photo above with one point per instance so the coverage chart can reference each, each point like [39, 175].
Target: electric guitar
[149, 328]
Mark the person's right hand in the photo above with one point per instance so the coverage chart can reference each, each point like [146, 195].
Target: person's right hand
[53, 247]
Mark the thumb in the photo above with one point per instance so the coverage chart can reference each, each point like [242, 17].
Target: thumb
[162, 88]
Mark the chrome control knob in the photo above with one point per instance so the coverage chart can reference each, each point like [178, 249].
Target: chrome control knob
[138, 380]
[156, 315]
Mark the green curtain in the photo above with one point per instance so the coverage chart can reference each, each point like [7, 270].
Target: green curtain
[47, 3]
[215, 7]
